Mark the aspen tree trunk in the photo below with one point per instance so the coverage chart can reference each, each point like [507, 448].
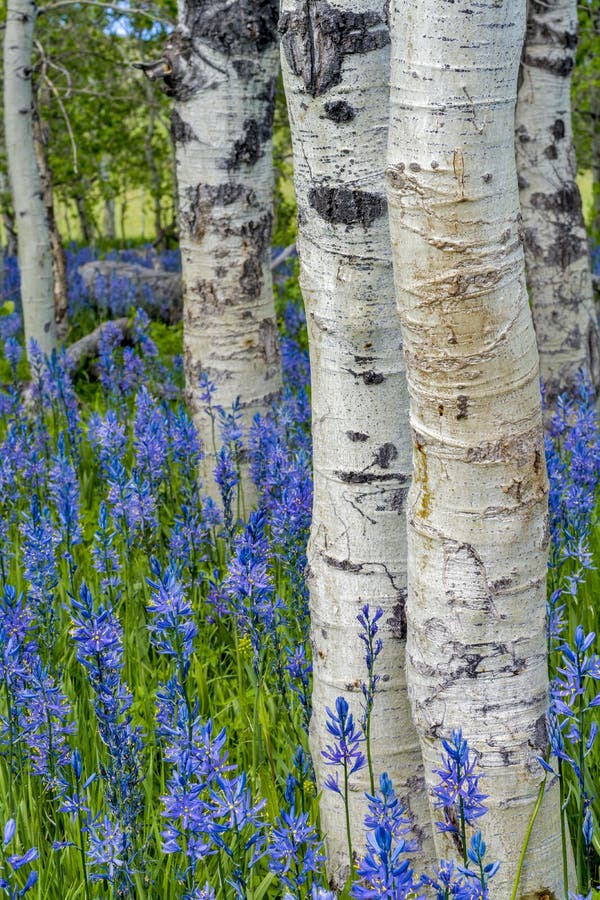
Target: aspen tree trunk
[8, 218]
[85, 224]
[335, 61]
[477, 510]
[595, 154]
[35, 260]
[556, 247]
[59, 263]
[221, 67]
[154, 173]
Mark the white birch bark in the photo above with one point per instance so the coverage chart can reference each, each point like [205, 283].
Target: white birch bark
[221, 67]
[335, 62]
[35, 260]
[477, 510]
[556, 248]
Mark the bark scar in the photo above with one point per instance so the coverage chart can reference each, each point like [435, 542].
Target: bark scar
[458, 164]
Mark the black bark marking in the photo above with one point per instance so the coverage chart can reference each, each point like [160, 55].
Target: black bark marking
[355, 436]
[183, 72]
[203, 199]
[371, 377]
[462, 402]
[316, 36]
[339, 111]
[230, 27]
[256, 238]
[550, 152]
[181, 132]
[385, 455]
[397, 500]
[558, 130]
[397, 620]
[249, 148]
[344, 565]
[245, 68]
[342, 206]
[269, 341]
[562, 67]
[369, 477]
[569, 243]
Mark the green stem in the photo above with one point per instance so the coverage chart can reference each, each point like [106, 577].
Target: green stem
[463, 828]
[369, 758]
[532, 819]
[347, 809]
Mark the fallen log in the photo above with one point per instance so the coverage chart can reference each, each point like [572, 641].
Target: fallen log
[157, 292]
[87, 346]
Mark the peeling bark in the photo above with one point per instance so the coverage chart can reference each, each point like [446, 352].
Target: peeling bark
[477, 508]
[220, 66]
[335, 65]
[556, 247]
[35, 261]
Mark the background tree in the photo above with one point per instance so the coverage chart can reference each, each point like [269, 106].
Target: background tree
[220, 65]
[586, 101]
[477, 511]
[35, 260]
[556, 246]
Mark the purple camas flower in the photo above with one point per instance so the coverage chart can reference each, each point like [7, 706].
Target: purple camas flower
[150, 438]
[108, 367]
[64, 490]
[15, 862]
[107, 437]
[295, 852]
[104, 555]
[173, 628]
[226, 477]
[98, 637]
[248, 586]
[386, 811]
[458, 791]
[478, 873]
[299, 670]
[382, 872]
[40, 539]
[346, 749]
[188, 537]
[44, 714]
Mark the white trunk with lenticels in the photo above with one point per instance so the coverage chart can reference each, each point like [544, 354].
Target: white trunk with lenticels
[35, 260]
[477, 510]
[335, 61]
[221, 67]
[556, 248]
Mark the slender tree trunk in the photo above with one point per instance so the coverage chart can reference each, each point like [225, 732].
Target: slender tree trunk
[222, 64]
[59, 264]
[8, 216]
[477, 510]
[154, 173]
[595, 154]
[338, 105]
[556, 247]
[110, 227]
[35, 258]
[108, 218]
[87, 231]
